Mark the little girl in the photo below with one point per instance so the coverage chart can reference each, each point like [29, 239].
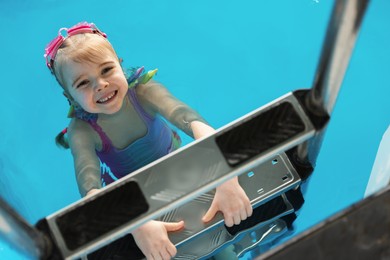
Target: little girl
[116, 128]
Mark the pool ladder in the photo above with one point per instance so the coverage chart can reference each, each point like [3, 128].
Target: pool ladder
[288, 131]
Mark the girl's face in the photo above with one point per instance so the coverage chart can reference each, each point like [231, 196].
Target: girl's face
[96, 87]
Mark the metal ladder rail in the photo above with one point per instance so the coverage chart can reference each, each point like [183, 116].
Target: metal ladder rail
[343, 28]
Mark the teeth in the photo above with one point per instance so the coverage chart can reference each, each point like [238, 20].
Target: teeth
[107, 98]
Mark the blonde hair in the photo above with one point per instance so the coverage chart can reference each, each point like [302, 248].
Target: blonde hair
[87, 47]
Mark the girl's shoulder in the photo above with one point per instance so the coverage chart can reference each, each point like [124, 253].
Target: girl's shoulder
[82, 139]
[148, 89]
[142, 99]
[77, 125]
[79, 129]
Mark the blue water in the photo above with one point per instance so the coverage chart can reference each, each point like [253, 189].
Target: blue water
[224, 58]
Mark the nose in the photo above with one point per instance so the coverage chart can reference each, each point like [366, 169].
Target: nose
[101, 84]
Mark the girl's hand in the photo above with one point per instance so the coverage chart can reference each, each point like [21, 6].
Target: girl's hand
[232, 201]
[152, 239]
[91, 192]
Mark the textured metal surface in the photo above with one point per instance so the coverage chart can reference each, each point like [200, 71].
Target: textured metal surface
[362, 231]
[177, 178]
[260, 133]
[256, 231]
[211, 242]
[120, 205]
[261, 184]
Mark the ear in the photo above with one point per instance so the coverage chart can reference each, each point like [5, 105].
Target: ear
[71, 100]
[68, 96]
[72, 104]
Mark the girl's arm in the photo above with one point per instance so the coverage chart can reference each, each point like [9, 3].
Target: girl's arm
[160, 100]
[86, 162]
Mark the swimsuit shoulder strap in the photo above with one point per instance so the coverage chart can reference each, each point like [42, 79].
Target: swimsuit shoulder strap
[106, 142]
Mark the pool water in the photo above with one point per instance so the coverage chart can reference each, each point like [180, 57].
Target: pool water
[223, 58]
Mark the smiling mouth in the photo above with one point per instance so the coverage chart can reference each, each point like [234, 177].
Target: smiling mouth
[108, 98]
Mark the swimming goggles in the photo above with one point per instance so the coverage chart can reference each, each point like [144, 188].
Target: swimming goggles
[63, 33]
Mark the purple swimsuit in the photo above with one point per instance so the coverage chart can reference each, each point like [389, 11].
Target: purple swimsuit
[158, 141]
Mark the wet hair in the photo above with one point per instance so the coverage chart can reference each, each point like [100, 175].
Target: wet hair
[61, 140]
[85, 47]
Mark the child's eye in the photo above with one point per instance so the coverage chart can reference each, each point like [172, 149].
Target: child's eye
[82, 83]
[107, 69]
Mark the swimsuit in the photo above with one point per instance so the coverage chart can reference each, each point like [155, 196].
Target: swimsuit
[157, 142]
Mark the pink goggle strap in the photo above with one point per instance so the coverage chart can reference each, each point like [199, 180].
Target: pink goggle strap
[52, 48]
